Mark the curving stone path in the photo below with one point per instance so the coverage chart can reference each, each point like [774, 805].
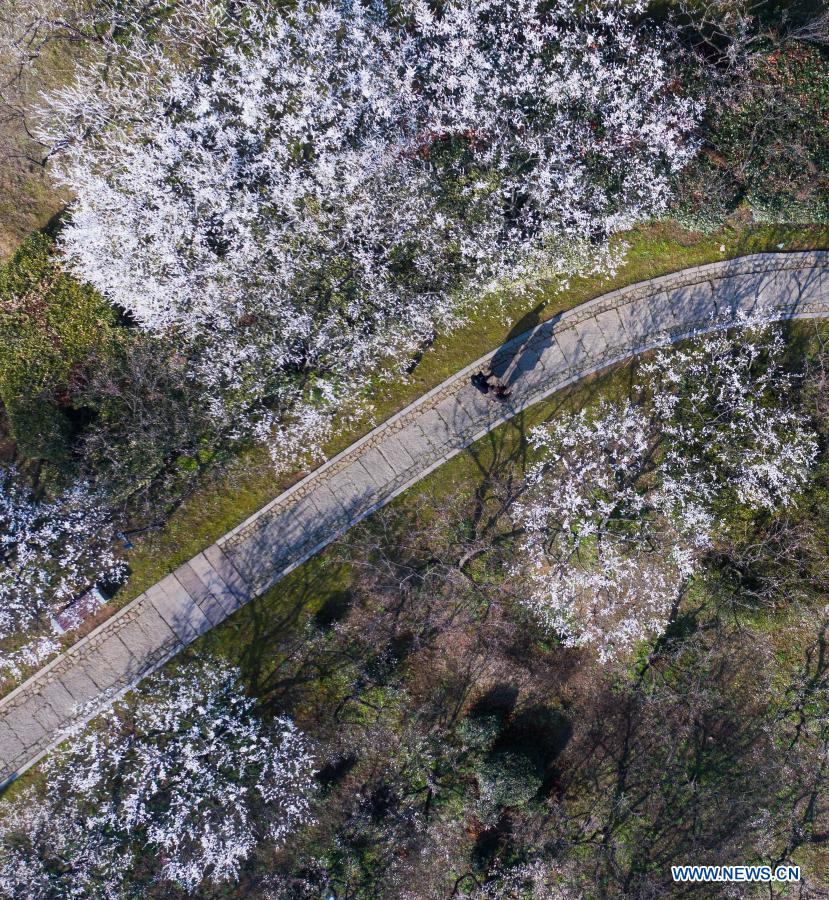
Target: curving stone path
[300, 522]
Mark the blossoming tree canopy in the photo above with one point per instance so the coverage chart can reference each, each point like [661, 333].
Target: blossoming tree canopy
[342, 176]
[51, 550]
[622, 504]
[188, 769]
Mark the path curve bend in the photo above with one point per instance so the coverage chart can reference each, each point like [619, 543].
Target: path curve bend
[248, 560]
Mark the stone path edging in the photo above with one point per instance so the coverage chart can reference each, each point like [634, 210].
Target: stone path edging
[294, 526]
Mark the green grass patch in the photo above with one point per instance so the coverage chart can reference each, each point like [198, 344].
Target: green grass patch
[49, 326]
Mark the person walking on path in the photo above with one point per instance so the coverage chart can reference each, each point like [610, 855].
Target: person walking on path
[481, 381]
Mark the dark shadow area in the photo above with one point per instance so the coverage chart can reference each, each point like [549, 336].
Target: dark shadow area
[53, 227]
[526, 323]
[335, 609]
[540, 732]
[109, 586]
[499, 701]
[418, 355]
[678, 630]
[489, 842]
[514, 355]
[335, 772]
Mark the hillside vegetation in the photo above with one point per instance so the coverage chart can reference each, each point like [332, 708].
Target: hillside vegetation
[237, 234]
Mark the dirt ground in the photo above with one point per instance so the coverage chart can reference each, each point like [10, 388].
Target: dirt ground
[28, 199]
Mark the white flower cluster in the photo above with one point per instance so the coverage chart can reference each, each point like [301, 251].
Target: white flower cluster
[189, 774]
[716, 403]
[623, 503]
[592, 532]
[30, 655]
[326, 192]
[48, 851]
[51, 551]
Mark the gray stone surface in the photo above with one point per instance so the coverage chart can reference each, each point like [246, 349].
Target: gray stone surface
[58, 698]
[146, 632]
[567, 344]
[180, 611]
[79, 682]
[24, 726]
[214, 582]
[610, 323]
[11, 747]
[207, 602]
[251, 558]
[235, 584]
[375, 463]
[117, 654]
[395, 454]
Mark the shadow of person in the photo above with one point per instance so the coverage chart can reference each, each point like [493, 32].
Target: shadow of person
[506, 352]
[515, 355]
[526, 323]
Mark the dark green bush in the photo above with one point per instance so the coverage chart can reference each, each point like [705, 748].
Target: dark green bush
[509, 777]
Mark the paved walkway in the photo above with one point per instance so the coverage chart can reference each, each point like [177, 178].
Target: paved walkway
[297, 524]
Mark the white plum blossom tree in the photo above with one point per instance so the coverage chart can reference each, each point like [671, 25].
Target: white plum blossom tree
[196, 773]
[51, 550]
[338, 179]
[623, 503]
[187, 771]
[593, 535]
[48, 850]
[719, 404]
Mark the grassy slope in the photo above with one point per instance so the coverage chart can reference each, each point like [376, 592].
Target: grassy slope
[29, 200]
